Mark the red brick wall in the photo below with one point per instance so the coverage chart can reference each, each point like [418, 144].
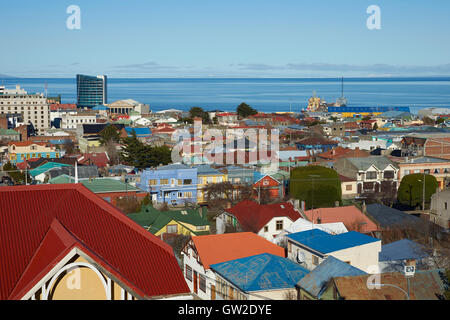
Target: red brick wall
[438, 147]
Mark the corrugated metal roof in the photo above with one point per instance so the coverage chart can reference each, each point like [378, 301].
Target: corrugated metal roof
[261, 272]
[135, 256]
[425, 285]
[218, 248]
[324, 242]
[402, 250]
[389, 217]
[315, 282]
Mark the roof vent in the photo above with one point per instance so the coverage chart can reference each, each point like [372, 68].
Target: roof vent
[282, 206]
[184, 212]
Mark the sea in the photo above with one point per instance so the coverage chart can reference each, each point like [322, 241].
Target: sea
[263, 94]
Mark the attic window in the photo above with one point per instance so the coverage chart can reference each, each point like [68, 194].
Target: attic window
[282, 206]
[184, 212]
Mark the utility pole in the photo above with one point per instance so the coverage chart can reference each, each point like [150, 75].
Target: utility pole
[423, 193]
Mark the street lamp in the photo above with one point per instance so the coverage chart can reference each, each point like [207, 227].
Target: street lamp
[423, 191]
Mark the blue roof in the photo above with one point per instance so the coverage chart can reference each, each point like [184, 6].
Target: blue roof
[367, 109]
[324, 242]
[139, 131]
[100, 107]
[315, 281]
[261, 272]
[402, 250]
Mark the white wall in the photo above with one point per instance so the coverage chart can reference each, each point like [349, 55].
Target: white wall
[272, 231]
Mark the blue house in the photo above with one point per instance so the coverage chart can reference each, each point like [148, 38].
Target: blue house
[314, 284]
[313, 143]
[175, 184]
[259, 276]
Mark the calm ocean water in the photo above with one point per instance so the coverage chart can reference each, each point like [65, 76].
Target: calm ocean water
[268, 95]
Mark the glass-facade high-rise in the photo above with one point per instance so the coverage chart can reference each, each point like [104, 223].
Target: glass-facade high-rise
[91, 91]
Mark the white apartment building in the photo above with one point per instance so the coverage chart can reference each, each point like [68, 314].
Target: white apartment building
[33, 107]
[71, 120]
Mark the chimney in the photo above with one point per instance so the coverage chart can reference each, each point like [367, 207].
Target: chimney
[303, 206]
[336, 203]
[364, 207]
[297, 204]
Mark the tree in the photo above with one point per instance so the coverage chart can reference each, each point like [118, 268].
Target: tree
[428, 121]
[142, 156]
[197, 112]
[16, 175]
[316, 185]
[244, 110]
[110, 133]
[410, 191]
[128, 204]
[375, 126]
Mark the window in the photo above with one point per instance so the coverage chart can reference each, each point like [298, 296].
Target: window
[371, 175]
[173, 228]
[152, 182]
[187, 181]
[209, 180]
[289, 247]
[349, 187]
[436, 170]
[188, 194]
[201, 228]
[202, 284]
[407, 172]
[389, 174]
[445, 206]
[180, 182]
[163, 181]
[188, 272]
[426, 171]
[266, 229]
[315, 260]
[279, 225]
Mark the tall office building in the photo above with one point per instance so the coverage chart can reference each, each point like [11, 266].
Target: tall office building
[91, 91]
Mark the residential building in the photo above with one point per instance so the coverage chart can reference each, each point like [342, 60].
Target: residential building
[33, 107]
[440, 208]
[91, 91]
[348, 187]
[301, 224]
[259, 277]
[387, 218]
[373, 174]
[72, 120]
[350, 216]
[39, 173]
[108, 189]
[313, 285]
[174, 184]
[207, 175]
[437, 167]
[309, 248]
[425, 285]
[163, 224]
[396, 255]
[203, 251]
[9, 135]
[99, 159]
[269, 187]
[266, 220]
[227, 118]
[19, 151]
[38, 261]
[313, 143]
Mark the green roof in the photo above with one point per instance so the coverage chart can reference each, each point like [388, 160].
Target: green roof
[97, 185]
[5, 132]
[47, 166]
[154, 220]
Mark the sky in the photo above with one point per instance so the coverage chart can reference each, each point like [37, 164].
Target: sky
[211, 38]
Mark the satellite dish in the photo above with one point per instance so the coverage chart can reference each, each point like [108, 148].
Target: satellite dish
[300, 257]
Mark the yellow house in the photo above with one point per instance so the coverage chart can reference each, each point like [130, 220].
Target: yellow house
[205, 176]
[182, 222]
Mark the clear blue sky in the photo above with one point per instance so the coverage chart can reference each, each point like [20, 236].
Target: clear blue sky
[200, 38]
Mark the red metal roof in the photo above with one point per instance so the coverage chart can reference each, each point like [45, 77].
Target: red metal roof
[256, 215]
[39, 224]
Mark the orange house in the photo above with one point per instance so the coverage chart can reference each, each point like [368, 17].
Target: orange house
[273, 186]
